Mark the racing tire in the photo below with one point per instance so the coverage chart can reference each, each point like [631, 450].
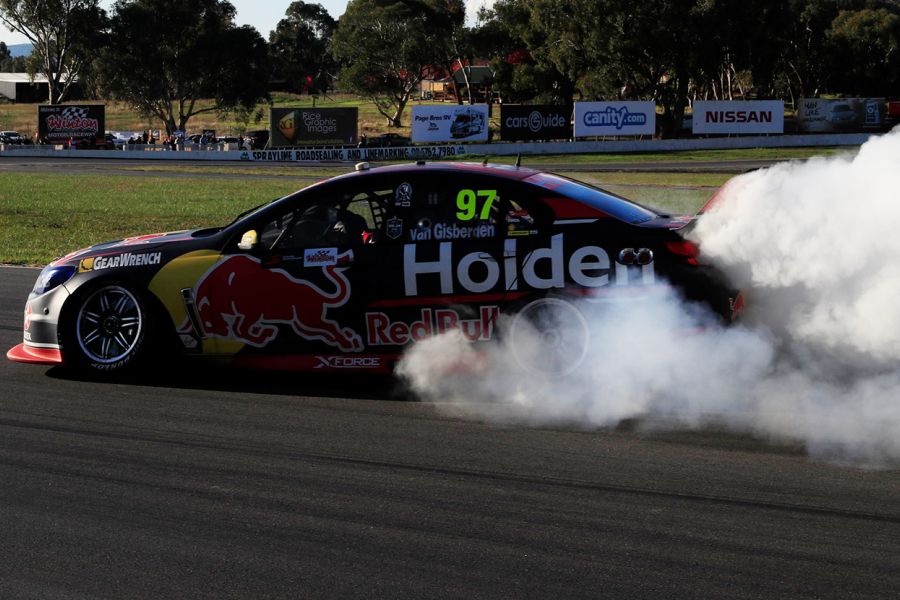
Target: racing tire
[549, 336]
[108, 330]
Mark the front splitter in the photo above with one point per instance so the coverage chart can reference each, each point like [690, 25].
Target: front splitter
[35, 356]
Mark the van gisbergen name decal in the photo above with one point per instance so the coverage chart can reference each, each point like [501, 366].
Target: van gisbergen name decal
[128, 259]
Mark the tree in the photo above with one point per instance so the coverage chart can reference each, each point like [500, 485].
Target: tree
[299, 48]
[10, 63]
[865, 50]
[521, 46]
[387, 47]
[194, 51]
[63, 33]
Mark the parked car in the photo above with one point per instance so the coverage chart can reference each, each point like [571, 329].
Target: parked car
[841, 115]
[12, 137]
[258, 139]
[346, 273]
[388, 140]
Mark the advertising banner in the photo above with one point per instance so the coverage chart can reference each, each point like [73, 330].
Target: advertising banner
[84, 123]
[311, 126]
[615, 118]
[816, 115]
[354, 154]
[450, 123]
[741, 117]
[533, 123]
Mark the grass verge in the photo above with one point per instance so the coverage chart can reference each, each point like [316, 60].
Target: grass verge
[48, 215]
[45, 216]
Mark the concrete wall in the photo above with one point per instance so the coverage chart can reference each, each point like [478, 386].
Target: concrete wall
[158, 152]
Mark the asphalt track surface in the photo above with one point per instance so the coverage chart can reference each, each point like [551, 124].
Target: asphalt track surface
[202, 483]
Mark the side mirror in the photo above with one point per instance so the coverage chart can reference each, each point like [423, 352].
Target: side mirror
[249, 240]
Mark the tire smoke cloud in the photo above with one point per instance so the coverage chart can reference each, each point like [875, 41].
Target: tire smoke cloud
[815, 359]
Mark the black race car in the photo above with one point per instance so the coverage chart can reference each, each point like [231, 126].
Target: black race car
[347, 272]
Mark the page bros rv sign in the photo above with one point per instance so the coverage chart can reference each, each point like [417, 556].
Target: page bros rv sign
[58, 123]
[450, 123]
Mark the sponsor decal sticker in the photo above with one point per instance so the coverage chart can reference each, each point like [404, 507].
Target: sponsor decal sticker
[320, 257]
[541, 269]
[128, 259]
[403, 195]
[394, 227]
[382, 331]
[348, 362]
[230, 306]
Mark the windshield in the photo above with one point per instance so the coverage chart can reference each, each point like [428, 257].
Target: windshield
[606, 202]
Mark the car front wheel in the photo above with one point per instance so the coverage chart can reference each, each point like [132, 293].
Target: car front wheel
[109, 330]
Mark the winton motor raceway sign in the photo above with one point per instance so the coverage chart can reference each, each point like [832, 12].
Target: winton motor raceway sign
[311, 126]
[59, 123]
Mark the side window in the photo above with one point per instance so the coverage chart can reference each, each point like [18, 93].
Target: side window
[342, 220]
[444, 210]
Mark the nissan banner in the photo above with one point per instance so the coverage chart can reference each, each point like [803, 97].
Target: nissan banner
[741, 117]
[312, 126]
[531, 123]
[614, 118]
[453, 123]
[59, 123]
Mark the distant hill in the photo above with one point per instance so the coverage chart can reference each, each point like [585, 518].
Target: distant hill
[20, 49]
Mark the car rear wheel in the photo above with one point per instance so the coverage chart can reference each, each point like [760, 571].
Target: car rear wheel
[109, 330]
[549, 336]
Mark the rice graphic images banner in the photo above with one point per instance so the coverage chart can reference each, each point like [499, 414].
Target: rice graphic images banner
[308, 126]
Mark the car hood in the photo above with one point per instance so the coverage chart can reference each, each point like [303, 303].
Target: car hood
[140, 243]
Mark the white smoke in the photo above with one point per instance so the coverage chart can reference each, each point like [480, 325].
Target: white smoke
[816, 246]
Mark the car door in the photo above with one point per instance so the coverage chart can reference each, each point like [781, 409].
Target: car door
[296, 282]
[443, 234]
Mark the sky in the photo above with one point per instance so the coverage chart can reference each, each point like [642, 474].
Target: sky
[262, 14]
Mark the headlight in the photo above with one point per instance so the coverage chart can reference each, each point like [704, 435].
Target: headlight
[52, 277]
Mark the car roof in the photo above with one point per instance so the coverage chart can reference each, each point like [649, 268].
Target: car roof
[494, 170]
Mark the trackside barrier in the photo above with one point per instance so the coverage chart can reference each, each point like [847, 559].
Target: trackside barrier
[315, 155]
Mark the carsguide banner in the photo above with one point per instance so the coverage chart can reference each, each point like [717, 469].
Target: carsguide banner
[306, 126]
[59, 123]
[453, 123]
[816, 115]
[741, 117]
[615, 118]
[532, 123]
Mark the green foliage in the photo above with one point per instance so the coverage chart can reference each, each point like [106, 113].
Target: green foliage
[64, 33]
[163, 56]
[10, 63]
[300, 48]
[866, 51]
[386, 48]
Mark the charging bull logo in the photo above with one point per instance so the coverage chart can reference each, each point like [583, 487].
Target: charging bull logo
[239, 299]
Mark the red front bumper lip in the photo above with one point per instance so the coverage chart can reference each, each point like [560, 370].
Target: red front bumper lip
[35, 356]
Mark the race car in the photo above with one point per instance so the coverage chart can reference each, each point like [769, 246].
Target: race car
[348, 272]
